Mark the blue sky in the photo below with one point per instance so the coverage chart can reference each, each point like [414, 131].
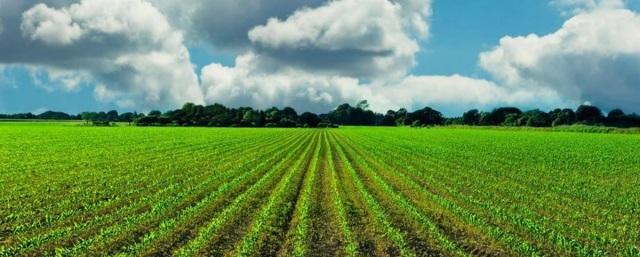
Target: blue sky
[462, 29]
[459, 31]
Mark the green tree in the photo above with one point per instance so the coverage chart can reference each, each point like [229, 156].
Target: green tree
[563, 117]
[389, 119]
[309, 119]
[471, 118]
[499, 115]
[537, 118]
[88, 116]
[112, 116]
[427, 116]
[589, 114]
[250, 118]
[155, 113]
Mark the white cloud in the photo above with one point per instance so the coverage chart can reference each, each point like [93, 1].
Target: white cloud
[318, 58]
[70, 80]
[594, 57]
[358, 38]
[54, 27]
[246, 82]
[127, 47]
[416, 14]
[51, 78]
[312, 55]
[458, 93]
[224, 23]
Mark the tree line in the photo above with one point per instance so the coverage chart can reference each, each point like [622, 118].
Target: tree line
[218, 115]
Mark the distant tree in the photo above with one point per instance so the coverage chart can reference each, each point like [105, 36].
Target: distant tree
[616, 118]
[251, 118]
[589, 114]
[101, 116]
[188, 109]
[389, 119]
[454, 121]
[615, 114]
[537, 118]
[89, 116]
[147, 120]
[513, 119]
[111, 116]
[290, 113]
[341, 115]
[287, 123]
[223, 119]
[554, 113]
[427, 116]
[563, 117]
[472, 117]
[218, 115]
[51, 115]
[633, 120]
[362, 117]
[485, 119]
[127, 117]
[498, 115]
[309, 119]
[401, 117]
[345, 114]
[273, 115]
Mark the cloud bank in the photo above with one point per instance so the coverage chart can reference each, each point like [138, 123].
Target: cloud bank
[346, 51]
[126, 48]
[312, 55]
[225, 23]
[594, 57]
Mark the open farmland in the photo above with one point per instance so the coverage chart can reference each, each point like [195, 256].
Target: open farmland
[72, 190]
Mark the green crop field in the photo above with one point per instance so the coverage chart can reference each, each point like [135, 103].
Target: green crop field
[72, 190]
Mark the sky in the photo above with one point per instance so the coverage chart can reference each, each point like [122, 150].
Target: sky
[453, 55]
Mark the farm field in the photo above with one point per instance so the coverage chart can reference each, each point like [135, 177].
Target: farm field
[72, 190]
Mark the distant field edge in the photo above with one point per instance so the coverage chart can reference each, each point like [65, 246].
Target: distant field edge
[572, 128]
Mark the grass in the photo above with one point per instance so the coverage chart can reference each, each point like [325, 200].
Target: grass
[129, 191]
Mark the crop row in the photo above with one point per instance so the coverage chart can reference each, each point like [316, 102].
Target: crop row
[303, 192]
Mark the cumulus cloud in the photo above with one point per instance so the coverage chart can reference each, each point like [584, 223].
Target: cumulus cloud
[416, 14]
[225, 23]
[54, 27]
[594, 57]
[312, 55]
[346, 51]
[458, 93]
[127, 47]
[247, 82]
[358, 38]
